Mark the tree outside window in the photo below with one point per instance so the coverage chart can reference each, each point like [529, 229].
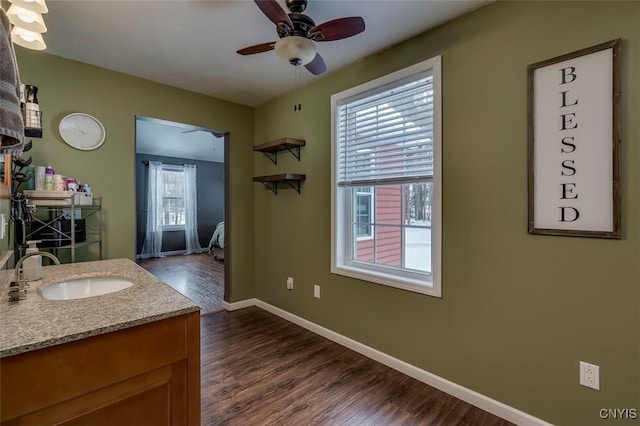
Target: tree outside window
[173, 206]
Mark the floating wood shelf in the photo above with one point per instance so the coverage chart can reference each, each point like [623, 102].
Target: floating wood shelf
[271, 149]
[272, 181]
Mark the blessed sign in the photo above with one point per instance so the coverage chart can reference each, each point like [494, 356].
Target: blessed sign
[573, 144]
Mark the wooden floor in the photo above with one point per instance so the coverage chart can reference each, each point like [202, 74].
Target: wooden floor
[200, 277]
[258, 369]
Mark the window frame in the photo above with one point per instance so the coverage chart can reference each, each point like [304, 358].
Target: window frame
[172, 168]
[341, 206]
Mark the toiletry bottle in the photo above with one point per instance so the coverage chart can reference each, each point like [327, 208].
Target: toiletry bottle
[40, 172]
[48, 179]
[58, 183]
[72, 185]
[31, 183]
[32, 266]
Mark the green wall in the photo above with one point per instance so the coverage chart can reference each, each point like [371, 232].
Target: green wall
[518, 311]
[67, 86]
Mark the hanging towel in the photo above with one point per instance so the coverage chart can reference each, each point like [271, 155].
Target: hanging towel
[11, 124]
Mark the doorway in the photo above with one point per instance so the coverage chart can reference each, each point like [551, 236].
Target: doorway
[195, 266]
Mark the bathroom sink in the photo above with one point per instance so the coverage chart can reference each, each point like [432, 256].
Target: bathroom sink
[85, 287]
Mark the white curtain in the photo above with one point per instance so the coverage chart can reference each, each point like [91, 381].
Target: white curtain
[153, 237]
[191, 210]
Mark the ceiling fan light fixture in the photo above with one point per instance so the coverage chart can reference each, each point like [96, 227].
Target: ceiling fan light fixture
[38, 6]
[296, 50]
[27, 19]
[29, 39]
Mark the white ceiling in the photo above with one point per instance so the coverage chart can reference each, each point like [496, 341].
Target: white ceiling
[192, 44]
[169, 139]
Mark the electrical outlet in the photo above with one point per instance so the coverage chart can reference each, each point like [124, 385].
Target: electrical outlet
[316, 291]
[590, 375]
[289, 283]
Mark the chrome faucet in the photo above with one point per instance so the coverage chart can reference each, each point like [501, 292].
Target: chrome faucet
[18, 288]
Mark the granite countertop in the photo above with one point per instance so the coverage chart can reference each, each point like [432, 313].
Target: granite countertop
[36, 323]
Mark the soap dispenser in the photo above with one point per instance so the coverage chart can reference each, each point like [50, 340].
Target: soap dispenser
[32, 266]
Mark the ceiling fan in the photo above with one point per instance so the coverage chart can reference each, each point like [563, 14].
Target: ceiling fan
[215, 133]
[298, 34]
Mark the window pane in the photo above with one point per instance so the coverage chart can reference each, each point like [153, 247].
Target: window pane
[417, 248]
[363, 211]
[362, 248]
[418, 203]
[173, 213]
[388, 246]
[385, 248]
[173, 183]
[388, 204]
[417, 238]
[397, 232]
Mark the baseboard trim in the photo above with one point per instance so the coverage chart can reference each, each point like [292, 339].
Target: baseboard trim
[234, 306]
[474, 398]
[176, 253]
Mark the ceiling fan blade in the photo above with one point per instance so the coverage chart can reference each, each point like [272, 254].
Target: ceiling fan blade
[317, 66]
[274, 12]
[215, 133]
[258, 48]
[338, 29]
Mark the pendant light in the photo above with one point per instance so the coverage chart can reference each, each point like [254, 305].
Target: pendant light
[296, 50]
[28, 23]
[27, 19]
[29, 39]
[38, 6]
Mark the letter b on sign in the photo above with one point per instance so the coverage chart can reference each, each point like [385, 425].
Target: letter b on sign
[568, 75]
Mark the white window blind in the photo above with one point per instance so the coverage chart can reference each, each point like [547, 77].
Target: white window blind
[386, 135]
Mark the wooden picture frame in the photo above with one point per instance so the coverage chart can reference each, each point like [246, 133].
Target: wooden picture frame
[574, 143]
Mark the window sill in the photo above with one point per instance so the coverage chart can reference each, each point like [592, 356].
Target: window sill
[389, 280]
[172, 228]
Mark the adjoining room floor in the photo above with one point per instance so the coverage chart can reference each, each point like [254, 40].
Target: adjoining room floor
[258, 369]
[199, 277]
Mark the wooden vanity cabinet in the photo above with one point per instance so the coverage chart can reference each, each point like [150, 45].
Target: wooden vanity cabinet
[144, 375]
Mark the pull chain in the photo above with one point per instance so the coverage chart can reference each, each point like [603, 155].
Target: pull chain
[297, 106]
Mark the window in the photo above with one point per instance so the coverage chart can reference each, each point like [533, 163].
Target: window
[173, 212]
[386, 180]
[363, 212]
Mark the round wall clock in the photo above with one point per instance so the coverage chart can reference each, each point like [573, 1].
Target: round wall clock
[82, 131]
